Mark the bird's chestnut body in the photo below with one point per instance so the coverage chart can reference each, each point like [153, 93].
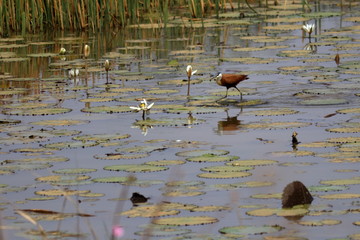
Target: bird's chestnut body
[230, 80]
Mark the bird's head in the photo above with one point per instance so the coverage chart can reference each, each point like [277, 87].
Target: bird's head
[216, 77]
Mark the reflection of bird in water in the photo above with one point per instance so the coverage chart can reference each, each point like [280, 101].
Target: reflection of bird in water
[137, 198]
[229, 81]
[294, 141]
[229, 125]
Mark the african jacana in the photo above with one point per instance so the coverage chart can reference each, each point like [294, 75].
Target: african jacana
[229, 81]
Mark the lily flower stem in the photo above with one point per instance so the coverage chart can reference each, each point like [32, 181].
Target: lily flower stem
[188, 92]
[143, 115]
[107, 77]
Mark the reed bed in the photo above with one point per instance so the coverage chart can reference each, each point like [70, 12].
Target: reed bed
[30, 16]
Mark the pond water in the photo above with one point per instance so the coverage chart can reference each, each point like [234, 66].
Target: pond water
[213, 168]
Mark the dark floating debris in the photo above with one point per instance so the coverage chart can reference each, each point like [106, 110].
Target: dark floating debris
[137, 198]
[296, 193]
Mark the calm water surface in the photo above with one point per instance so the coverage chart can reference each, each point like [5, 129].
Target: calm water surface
[205, 49]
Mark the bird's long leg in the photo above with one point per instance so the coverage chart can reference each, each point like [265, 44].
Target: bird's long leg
[239, 92]
[226, 92]
[188, 92]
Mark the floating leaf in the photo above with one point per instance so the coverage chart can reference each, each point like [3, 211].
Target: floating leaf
[165, 162]
[60, 192]
[36, 112]
[242, 231]
[149, 211]
[185, 221]
[254, 162]
[212, 158]
[101, 137]
[60, 122]
[216, 175]
[210, 209]
[349, 181]
[74, 170]
[272, 112]
[117, 156]
[162, 231]
[341, 196]
[107, 109]
[140, 168]
[324, 222]
[324, 101]
[227, 168]
[202, 152]
[252, 184]
[70, 144]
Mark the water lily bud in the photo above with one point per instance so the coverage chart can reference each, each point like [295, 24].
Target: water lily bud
[107, 65]
[86, 50]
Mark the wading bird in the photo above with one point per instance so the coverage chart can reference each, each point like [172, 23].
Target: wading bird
[229, 81]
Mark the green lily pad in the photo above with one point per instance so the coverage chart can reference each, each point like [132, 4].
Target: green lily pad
[349, 110]
[36, 112]
[107, 109]
[186, 221]
[324, 222]
[162, 232]
[275, 125]
[149, 211]
[195, 110]
[51, 159]
[70, 144]
[218, 175]
[252, 184]
[346, 181]
[161, 91]
[101, 137]
[62, 178]
[226, 168]
[117, 156]
[272, 112]
[254, 162]
[202, 153]
[326, 188]
[165, 162]
[212, 158]
[139, 168]
[74, 170]
[242, 231]
[324, 101]
[340, 196]
[179, 82]
[60, 192]
[59, 122]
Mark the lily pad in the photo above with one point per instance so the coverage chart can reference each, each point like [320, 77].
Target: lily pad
[242, 231]
[37, 112]
[185, 221]
[212, 158]
[60, 122]
[202, 153]
[324, 101]
[139, 168]
[149, 211]
[254, 162]
[218, 175]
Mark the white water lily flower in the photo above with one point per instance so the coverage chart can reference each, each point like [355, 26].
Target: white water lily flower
[73, 73]
[144, 106]
[86, 50]
[62, 51]
[189, 71]
[309, 28]
[107, 65]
